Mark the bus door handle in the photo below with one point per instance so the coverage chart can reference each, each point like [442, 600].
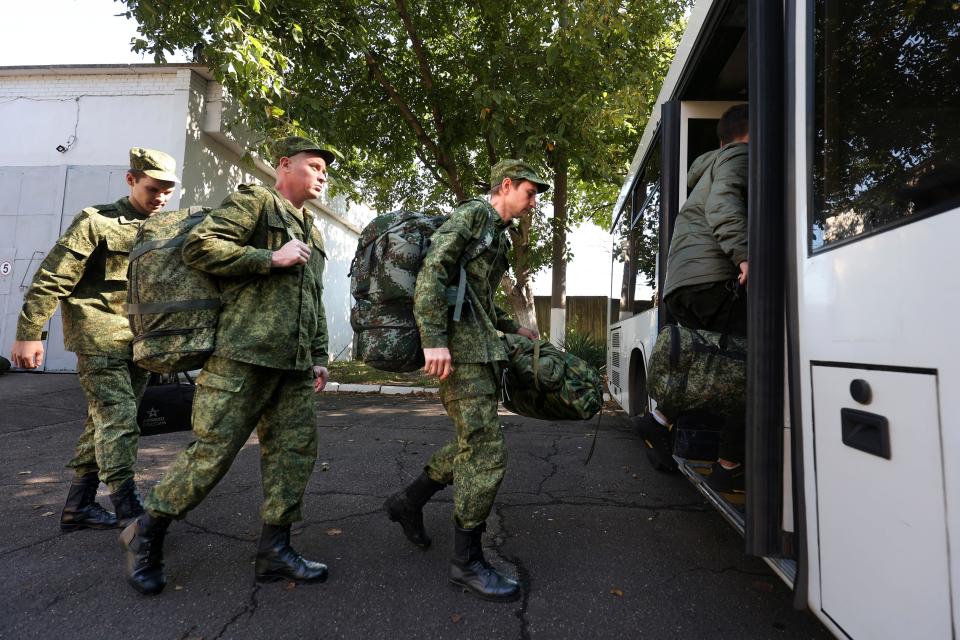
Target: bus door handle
[867, 432]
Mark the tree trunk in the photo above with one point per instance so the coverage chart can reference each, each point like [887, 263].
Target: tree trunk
[558, 293]
[522, 304]
[519, 291]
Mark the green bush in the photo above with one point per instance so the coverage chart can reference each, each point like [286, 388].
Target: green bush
[587, 348]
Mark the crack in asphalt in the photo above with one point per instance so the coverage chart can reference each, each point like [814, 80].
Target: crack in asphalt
[219, 534]
[548, 459]
[685, 507]
[186, 634]
[398, 462]
[11, 432]
[8, 552]
[721, 571]
[523, 574]
[60, 596]
[249, 609]
[349, 516]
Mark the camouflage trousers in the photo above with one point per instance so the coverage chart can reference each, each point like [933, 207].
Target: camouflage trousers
[108, 445]
[232, 399]
[476, 460]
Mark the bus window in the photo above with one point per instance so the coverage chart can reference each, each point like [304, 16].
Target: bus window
[635, 243]
[887, 116]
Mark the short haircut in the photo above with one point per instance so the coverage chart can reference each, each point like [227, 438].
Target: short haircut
[734, 123]
[495, 189]
[137, 174]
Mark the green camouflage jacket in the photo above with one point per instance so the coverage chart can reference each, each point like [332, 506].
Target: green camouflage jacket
[710, 236]
[474, 338]
[270, 317]
[86, 271]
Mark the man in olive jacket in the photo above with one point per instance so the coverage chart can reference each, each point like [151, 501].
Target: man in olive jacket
[707, 263]
[270, 357]
[86, 273]
[465, 354]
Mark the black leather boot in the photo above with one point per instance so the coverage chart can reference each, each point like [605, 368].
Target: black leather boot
[81, 510]
[126, 502]
[142, 543]
[277, 560]
[406, 508]
[470, 571]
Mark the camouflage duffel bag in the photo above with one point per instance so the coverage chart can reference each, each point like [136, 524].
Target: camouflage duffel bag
[698, 370]
[173, 308]
[541, 381]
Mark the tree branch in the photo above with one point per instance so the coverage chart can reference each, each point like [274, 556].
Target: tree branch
[443, 159]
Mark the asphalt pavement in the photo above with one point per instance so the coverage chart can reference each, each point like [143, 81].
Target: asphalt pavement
[609, 549]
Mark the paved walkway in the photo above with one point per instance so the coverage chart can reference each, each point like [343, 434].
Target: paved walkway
[610, 549]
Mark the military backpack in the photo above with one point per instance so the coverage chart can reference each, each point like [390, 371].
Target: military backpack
[173, 308]
[698, 371]
[541, 381]
[383, 276]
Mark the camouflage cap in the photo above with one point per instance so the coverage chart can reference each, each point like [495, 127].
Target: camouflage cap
[153, 163]
[516, 169]
[292, 145]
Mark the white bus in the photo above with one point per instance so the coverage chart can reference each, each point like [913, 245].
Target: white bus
[853, 398]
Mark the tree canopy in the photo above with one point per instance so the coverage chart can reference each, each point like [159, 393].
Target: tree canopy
[422, 98]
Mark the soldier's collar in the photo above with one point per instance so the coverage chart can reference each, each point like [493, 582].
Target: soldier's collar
[127, 212]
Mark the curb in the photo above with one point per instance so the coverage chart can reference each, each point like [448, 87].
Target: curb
[382, 389]
[390, 390]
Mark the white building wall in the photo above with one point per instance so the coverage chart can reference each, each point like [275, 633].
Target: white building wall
[105, 111]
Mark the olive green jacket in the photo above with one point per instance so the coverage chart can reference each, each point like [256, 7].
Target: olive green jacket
[270, 317]
[710, 237]
[474, 337]
[86, 272]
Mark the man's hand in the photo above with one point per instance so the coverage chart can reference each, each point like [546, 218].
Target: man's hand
[294, 252]
[27, 354]
[743, 274]
[322, 375]
[528, 333]
[437, 362]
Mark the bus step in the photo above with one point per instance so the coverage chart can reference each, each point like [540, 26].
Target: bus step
[730, 506]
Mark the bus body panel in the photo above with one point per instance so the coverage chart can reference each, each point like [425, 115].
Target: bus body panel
[881, 309]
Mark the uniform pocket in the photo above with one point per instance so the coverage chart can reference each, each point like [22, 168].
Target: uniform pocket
[117, 257]
[469, 380]
[233, 384]
[278, 230]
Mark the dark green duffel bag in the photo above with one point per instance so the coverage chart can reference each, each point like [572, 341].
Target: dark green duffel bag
[698, 371]
[541, 381]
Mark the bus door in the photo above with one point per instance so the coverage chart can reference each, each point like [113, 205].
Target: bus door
[877, 228]
[695, 125]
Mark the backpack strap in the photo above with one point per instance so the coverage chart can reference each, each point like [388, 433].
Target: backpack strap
[473, 251]
[194, 213]
[536, 364]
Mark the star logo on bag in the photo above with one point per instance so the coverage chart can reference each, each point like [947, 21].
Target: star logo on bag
[153, 413]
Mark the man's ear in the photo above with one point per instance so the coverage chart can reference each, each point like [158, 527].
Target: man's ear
[131, 179]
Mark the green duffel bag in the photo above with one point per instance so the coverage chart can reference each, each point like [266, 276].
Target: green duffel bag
[173, 308]
[698, 370]
[541, 381]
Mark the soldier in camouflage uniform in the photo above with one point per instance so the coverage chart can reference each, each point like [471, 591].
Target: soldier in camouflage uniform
[86, 272]
[466, 356]
[270, 357]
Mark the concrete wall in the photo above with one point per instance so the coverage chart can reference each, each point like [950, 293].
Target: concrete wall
[98, 113]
